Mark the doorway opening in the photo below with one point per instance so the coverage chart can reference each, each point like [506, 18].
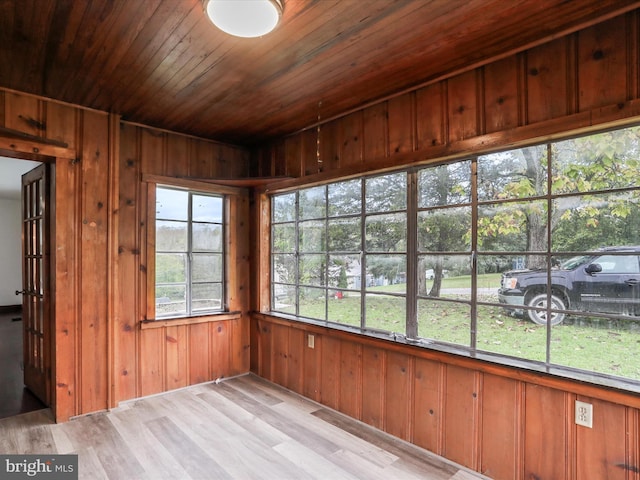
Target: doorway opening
[15, 398]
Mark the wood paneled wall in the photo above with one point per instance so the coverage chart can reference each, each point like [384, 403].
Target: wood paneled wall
[165, 355]
[506, 423]
[102, 355]
[573, 83]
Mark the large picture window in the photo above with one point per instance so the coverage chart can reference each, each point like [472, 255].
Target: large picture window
[531, 254]
[189, 253]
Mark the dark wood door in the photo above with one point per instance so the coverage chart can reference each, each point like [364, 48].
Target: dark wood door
[36, 314]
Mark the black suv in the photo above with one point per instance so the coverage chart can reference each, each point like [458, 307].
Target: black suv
[605, 282]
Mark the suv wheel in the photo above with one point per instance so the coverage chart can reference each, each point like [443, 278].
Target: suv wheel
[540, 316]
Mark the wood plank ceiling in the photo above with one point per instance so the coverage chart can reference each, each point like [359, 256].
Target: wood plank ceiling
[162, 63]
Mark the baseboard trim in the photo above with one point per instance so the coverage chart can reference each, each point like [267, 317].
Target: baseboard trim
[10, 308]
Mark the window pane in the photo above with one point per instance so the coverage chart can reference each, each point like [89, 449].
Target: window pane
[172, 236]
[600, 283]
[284, 268]
[312, 236]
[284, 298]
[345, 271]
[345, 198]
[507, 227]
[444, 321]
[587, 222]
[207, 237]
[172, 204]
[386, 233]
[345, 235]
[386, 273]
[597, 162]
[344, 307]
[445, 185]
[386, 193]
[312, 303]
[206, 208]
[206, 296]
[284, 238]
[597, 344]
[284, 207]
[171, 300]
[171, 268]
[312, 269]
[446, 276]
[206, 268]
[509, 334]
[312, 203]
[445, 230]
[520, 173]
[385, 312]
[490, 270]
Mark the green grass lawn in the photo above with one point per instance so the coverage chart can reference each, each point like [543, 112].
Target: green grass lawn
[606, 347]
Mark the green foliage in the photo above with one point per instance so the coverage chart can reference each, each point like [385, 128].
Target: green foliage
[342, 278]
[593, 163]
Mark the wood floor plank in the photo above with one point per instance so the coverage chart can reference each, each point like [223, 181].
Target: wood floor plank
[241, 428]
[109, 446]
[411, 458]
[362, 467]
[244, 420]
[154, 458]
[89, 465]
[314, 464]
[298, 432]
[62, 442]
[196, 462]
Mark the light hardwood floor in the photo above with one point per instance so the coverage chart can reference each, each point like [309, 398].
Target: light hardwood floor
[241, 428]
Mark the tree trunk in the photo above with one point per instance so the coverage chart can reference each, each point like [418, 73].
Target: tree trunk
[437, 278]
[536, 220]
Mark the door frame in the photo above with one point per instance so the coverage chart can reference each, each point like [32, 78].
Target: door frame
[61, 363]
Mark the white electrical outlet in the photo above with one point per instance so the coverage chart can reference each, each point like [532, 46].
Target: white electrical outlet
[584, 414]
[311, 341]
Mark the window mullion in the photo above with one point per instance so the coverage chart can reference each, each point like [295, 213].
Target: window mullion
[412, 256]
[474, 254]
[363, 259]
[548, 259]
[189, 253]
[297, 254]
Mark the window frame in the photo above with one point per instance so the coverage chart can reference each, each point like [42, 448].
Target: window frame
[229, 194]
[191, 252]
[471, 349]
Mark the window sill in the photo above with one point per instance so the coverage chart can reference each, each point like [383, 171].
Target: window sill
[174, 322]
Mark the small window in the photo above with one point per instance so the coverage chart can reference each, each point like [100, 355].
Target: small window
[189, 253]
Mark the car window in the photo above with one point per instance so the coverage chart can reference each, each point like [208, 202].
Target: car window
[574, 262]
[619, 263]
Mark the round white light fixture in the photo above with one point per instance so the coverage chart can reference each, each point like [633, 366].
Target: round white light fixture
[244, 18]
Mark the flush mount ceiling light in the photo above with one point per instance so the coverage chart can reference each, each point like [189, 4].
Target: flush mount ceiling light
[244, 18]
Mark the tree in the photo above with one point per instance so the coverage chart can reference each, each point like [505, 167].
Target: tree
[579, 220]
[446, 229]
[342, 278]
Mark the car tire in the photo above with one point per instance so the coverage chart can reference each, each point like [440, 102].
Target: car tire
[540, 316]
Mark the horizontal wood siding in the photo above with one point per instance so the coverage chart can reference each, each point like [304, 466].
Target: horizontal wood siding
[500, 421]
[571, 83]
